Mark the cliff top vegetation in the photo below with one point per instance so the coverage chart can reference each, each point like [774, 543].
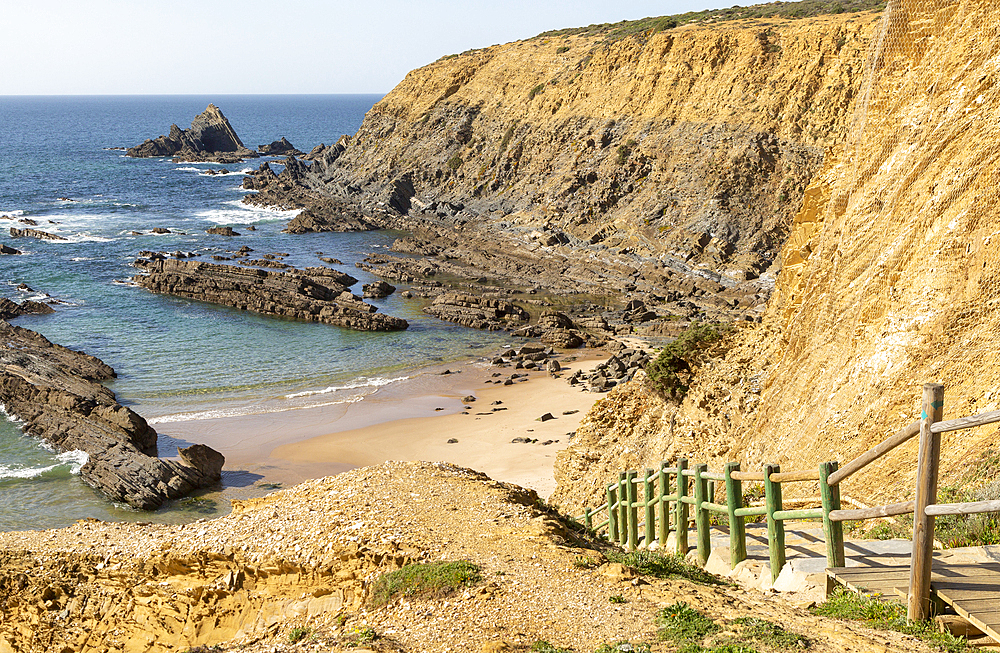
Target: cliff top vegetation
[788, 10]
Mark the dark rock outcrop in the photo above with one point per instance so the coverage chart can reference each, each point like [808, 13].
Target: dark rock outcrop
[477, 312]
[222, 231]
[377, 290]
[33, 233]
[279, 148]
[314, 295]
[10, 309]
[5, 249]
[210, 138]
[57, 392]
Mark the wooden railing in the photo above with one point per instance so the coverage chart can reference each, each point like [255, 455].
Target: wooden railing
[673, 496]
[693, 489]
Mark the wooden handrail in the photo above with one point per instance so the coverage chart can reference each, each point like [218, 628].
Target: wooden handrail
[903, 435]
[749, 476]
[872, 513]
[968, 508]
[792, 477]
[966, 422]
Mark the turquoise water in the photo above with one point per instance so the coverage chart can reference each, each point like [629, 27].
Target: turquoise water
[176, 358]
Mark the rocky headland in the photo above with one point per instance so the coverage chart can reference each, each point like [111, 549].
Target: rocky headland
[210, 138]
[316, 294]
[604, 170]
[57, 393]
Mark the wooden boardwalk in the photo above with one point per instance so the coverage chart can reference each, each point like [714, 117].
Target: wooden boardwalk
[972, 590]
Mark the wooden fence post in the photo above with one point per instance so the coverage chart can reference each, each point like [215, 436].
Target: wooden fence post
[588, 520]
[631, 494]
[833, 530]
[775, 527]
[663, 507]
[737, 527]
[622, 509]
[701, 514]
[648, 495]
[612, 492]
[681, 512]
[928, 458]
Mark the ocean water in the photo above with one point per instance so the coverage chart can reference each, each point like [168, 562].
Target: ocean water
[175, 358]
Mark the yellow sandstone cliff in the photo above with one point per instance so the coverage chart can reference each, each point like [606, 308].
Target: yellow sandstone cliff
[889, 280]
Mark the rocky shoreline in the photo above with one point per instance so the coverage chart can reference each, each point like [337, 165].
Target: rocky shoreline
[315, 294]
[57, 393]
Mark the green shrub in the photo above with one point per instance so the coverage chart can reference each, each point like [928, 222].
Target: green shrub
[535, 91]
[561, 49]
[297, 634]
[671, 371]
[454, 163]
[424, 580]
[359, 636]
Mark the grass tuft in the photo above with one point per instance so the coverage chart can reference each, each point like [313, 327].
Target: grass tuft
[770, 634]
[541, 646]
[424, 580]
[684, 626]
[845, 604]
[664, 565]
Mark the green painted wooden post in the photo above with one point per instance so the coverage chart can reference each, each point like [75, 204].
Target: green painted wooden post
[833, 530]
[701, 515]
[612, 512]
[622, 509]
[662, 506]
[737, 525]
[649, 498]
[775, 527]
[632, 509]
[588, 521]
[681, 516]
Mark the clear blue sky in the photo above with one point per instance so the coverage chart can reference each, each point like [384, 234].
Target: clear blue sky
[55, 47]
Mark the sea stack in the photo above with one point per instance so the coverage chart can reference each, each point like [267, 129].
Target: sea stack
[210, 138]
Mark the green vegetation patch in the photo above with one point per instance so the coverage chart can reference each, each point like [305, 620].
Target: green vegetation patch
[541, 646]
[788, 10]
[684, 626]
[454, 163]
[664, 565]
[845, 604]
[622, 647]
[298, 634]
[770, 634]
[431, 579]
[670, 373]
[535, 91]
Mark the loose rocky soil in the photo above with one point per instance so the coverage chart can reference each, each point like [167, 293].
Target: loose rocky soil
[304, 558]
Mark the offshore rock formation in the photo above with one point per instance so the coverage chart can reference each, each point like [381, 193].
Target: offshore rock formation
[279, 148]
[664, 168]
[315, 294]
[33, 233]
[888, 281]
[57, 393]
[210, 138]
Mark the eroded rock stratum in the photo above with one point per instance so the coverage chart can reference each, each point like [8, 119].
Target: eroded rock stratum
[888, 280]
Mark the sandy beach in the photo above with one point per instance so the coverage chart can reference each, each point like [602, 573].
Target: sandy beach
[425, 417]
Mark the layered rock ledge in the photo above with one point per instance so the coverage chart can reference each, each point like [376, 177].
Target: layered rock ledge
[56, 392]
[210, 138]
[314, 294]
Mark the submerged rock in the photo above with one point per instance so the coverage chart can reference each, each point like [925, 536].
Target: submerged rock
[58, 394]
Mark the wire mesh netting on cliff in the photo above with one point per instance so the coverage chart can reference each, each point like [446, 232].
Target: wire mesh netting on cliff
[896, 278]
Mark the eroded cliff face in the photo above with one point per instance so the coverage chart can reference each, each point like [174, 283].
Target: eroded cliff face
[692, 145]
[889, 279]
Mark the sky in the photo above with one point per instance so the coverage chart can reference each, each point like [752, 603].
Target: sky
[99, 47]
